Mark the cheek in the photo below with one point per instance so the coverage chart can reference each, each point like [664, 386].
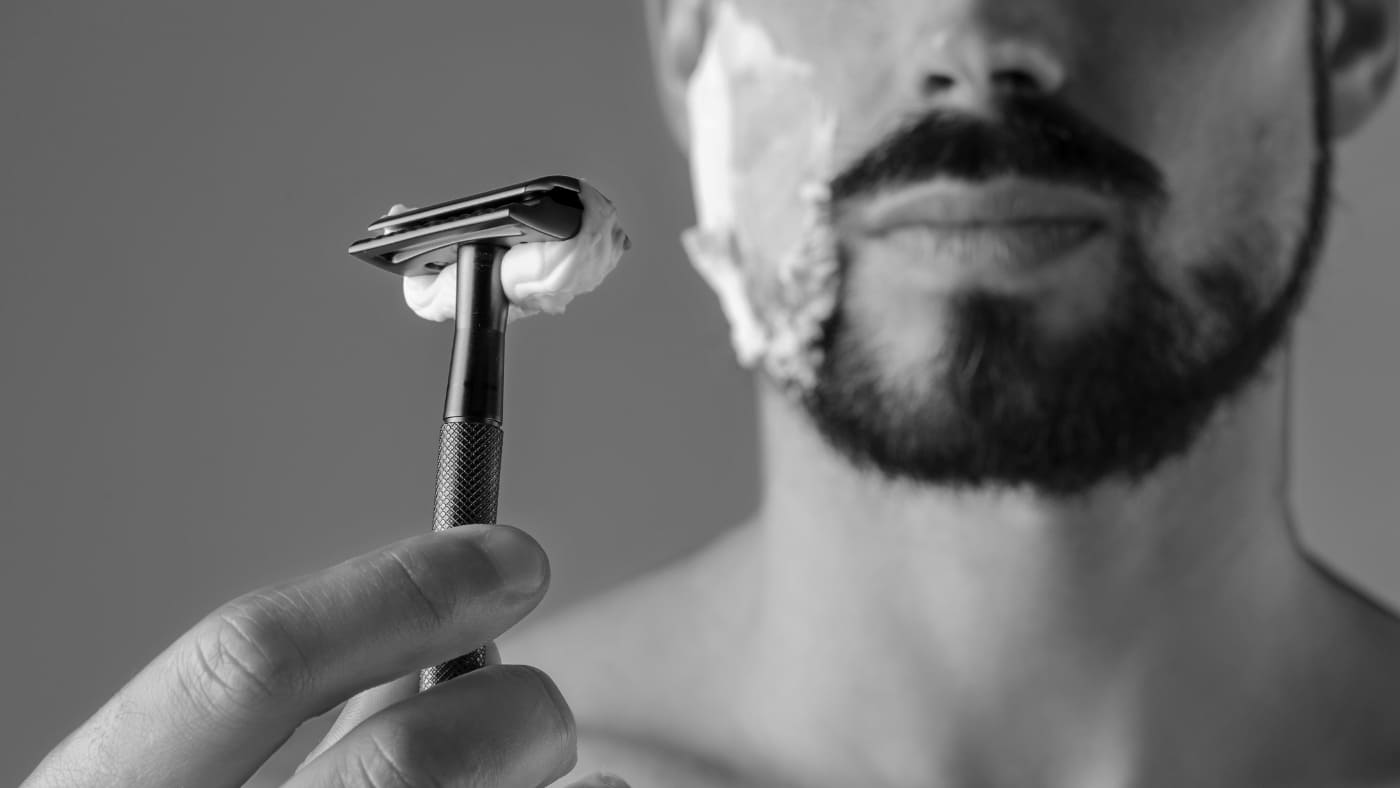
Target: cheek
[1232, 126]
[776, 137]
[1239, 200]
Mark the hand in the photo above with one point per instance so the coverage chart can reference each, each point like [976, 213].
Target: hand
[212, 707]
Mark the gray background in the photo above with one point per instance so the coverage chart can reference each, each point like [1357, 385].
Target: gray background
[201, 393]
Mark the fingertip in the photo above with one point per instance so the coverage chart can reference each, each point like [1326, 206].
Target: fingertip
[519, 558]
[491, 655]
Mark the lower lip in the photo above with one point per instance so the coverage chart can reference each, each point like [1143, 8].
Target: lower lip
[1018, 246]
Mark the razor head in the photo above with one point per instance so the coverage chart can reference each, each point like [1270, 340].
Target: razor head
[543, 209]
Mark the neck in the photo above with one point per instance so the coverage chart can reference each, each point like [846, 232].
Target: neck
[979, 633]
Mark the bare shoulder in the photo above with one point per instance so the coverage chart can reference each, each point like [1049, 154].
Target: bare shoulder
[648, 667]
[1363, 700]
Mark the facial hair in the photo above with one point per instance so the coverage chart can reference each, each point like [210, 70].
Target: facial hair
[1008, 407]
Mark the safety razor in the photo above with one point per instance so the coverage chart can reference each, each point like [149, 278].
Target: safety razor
[480, 229]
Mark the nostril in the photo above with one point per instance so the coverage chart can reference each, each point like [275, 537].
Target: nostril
[978, 64]
[938, 83]
[1017, 83]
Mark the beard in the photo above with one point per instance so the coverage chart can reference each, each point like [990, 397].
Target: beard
[1008, 406]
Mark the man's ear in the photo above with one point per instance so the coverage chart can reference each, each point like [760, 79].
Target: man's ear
[677, 29]
[1359, 54]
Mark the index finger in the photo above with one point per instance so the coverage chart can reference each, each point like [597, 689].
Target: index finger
[220, 700]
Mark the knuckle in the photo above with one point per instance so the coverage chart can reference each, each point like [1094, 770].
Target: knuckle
[437, 577]
[244, 655]
[430, 595]
[392, 756]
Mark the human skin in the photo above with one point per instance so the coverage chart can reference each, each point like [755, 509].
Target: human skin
[1163, 632]
[211, 708]
[856, 631]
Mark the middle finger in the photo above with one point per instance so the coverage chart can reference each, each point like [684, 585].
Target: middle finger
[498, 725]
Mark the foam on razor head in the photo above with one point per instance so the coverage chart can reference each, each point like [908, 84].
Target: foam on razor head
[536, 277]
[762, 151]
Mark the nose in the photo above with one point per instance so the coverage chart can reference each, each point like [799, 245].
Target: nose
[973, 67]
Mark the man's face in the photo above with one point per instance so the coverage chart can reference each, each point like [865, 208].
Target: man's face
[1068, 229]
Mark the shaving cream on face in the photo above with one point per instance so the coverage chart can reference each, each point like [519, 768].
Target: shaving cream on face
[761, 158]
[536, 277]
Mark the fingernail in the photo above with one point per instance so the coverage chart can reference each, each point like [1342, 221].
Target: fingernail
[518, 559]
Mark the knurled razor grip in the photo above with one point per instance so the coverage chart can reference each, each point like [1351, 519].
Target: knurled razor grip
[481, 229]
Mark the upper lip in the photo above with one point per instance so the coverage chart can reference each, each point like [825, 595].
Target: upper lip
[964, 205]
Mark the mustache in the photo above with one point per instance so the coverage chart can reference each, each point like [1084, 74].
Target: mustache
[1034, 138]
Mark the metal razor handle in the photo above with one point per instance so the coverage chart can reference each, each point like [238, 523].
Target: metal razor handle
[469, 449]
[468, 480]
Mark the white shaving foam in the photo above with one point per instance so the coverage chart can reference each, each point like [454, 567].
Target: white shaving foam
[536, 277]
[761, 156]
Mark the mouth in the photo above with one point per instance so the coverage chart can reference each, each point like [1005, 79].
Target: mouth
[1006, 224]
[1001, 202]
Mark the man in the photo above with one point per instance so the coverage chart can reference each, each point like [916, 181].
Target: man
[1016, 276]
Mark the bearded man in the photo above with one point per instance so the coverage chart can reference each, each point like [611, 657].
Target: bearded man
[1016, 279]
